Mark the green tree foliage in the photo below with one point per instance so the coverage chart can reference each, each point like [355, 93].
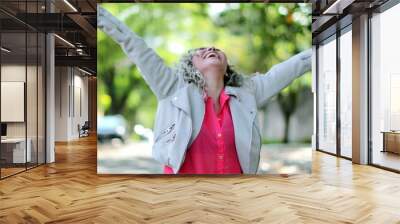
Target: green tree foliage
[254, 36]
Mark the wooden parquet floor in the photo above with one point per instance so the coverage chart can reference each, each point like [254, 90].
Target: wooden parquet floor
[70, 191]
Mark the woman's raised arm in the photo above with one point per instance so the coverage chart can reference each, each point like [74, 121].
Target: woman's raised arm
[158, 76]
[280, 76]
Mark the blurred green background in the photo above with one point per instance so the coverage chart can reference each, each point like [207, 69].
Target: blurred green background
[254, 37]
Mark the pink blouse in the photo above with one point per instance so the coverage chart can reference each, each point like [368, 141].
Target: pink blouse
[214, 150]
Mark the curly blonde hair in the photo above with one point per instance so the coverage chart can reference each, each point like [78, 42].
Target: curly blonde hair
[192, 75]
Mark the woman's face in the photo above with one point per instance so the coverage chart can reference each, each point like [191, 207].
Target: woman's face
[210, 58]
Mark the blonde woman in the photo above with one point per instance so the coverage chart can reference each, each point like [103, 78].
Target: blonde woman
[206, 121]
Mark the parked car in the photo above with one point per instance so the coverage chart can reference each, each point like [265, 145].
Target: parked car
[110, 127]
[144, 133]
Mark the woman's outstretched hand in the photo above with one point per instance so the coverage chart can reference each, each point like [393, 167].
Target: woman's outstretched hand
[158, 76]
[110, 25]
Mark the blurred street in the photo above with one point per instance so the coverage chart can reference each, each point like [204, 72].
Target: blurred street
[135, 158]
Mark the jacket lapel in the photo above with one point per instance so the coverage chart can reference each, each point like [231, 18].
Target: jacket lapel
[189, 100]
[243, 110]
[243, 98]
[181, 100]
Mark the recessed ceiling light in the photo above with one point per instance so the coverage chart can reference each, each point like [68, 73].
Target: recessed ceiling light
[64, 40]
[338, 6]
[84, 71]
[5, 50]
[70, 5]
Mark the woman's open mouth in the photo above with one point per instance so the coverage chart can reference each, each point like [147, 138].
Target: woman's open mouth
[212, 55]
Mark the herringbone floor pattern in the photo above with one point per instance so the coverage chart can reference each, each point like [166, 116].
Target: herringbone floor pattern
[70, 191]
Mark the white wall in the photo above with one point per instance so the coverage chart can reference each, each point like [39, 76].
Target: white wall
[71, 94]
[12, 73]
[62, 81]
[33, 126]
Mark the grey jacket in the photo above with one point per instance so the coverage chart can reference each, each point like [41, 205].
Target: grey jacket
[181, 107]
